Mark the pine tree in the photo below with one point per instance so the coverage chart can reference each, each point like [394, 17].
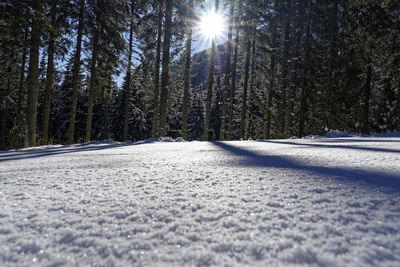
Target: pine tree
[232, 89]
[210, 84]
[196, 115]
[300, 67]
[31, 109]
[93, 72]
[245, 88]
[188, 57]
[156, 99]
[285, 71]
[50, 73]
[267, 129]
[165, 70]
[305, 82]
[293, 79]
[127, 88]
[76, 70]
[227, 73]
[251, 103]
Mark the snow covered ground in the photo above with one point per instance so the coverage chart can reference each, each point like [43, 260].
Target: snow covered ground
[316, 201]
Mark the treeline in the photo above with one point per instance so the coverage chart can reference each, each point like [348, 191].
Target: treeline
[288, 68]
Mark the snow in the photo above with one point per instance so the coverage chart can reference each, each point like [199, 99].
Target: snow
[314, 201]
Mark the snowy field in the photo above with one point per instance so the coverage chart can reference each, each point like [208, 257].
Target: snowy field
[321, 202]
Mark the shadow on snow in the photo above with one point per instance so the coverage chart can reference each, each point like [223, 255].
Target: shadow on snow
[368, 177]
[50, 151]
[373, 149]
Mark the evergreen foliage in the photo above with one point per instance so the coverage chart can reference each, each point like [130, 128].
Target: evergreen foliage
[290, 68]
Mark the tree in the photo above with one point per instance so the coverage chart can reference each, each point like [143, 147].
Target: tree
[305, 77]
[127, 88]
[251, 105]
[227, 72]
[285, 71]
[156, 100]
[33, 83]
[271, 85]
[245, 88]
[232, 88]
[165, 69]
[93, 71]
[288, 67]
[76, 70]
[50, 73]
[293, 79]
[210, 84]
[188, 56]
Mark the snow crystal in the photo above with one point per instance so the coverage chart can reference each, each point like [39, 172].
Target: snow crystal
[315, 201]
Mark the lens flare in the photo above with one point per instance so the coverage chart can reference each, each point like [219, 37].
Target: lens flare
[211, 25]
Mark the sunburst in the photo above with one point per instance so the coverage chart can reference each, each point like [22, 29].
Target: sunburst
[211, 25]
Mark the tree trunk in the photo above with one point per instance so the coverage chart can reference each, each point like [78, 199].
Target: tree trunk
[332, 56]
[209, 91]
[233, 85]
[271, 82]
[245, 85]
[210, 84]
[107, 99]
[127, 88]
[50, 74]
[222, 131]
[251, 92]
[4, 128]
[92, 83]
[304, 83]
[33, 82]
[165, 70]
[186, 84]
[4, 93]
[294, 74]
[367, 97]
[285, 71]
[22, 74]
[156, 100]
[75, 74]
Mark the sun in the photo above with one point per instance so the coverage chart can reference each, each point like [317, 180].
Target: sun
[211, 25]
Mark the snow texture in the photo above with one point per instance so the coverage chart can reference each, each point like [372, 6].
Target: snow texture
[313, 201]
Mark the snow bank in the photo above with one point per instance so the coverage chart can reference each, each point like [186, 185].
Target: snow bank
[340, 133]
[161, 140]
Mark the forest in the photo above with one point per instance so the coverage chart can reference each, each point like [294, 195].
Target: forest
[128, 70]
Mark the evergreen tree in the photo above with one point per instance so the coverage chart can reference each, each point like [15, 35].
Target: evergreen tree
[210, 83]
[188, 57]
[165, 70]
[76, 70]
[227, 74]
[33, 73]
[288, 68]
[50, 73]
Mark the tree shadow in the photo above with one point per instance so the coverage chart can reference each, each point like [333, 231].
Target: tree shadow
[369, 177]
[373, 149]
[51, 151]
